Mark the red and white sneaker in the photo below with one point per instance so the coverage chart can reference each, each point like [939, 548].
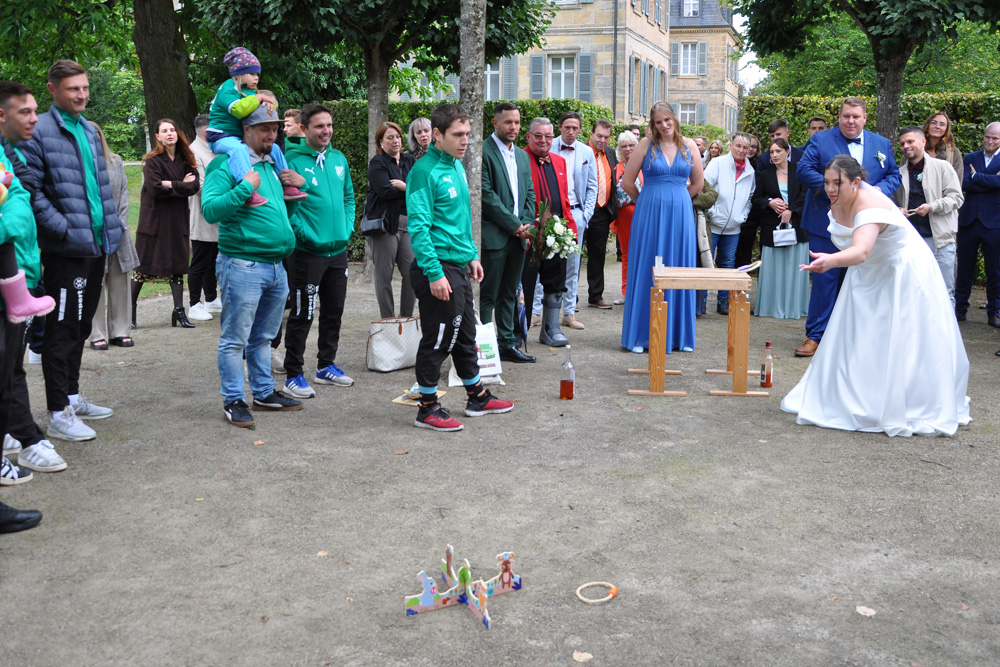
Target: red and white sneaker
[255, 200]
[294, 194]
[487, 405]
[437, 418]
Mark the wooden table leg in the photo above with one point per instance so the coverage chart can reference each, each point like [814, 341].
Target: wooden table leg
[739, 346]
[734, 315]
[657, 349]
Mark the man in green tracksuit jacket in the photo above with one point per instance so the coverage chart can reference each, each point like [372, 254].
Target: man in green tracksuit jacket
[440, 225]
[322, 223]
[252, 282]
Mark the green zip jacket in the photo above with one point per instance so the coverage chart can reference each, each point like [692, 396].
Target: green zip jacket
[261, 234]
[230, 106]
[322, 223]
[439, 213]
[17, 225]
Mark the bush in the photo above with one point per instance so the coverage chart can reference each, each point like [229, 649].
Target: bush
[970, 113]
[350, 135]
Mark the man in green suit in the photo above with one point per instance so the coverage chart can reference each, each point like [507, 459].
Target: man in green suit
[508, 223]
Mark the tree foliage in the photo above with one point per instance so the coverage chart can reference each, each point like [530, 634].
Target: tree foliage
[893, 29]
[838, 61]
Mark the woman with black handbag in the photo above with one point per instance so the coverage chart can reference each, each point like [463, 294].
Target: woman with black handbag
[384, 220]
[782, 289]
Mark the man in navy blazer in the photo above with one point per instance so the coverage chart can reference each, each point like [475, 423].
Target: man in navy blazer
[979, 226]
[874, 153]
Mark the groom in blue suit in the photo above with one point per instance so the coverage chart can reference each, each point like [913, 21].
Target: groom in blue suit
[874, 152]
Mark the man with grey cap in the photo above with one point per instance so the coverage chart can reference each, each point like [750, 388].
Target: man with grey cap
[252, 282]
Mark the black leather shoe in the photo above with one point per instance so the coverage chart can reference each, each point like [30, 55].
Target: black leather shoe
[12, 520]
[960, 317]
[515, 355]
[998, 353]
[722, 308]
[995, 321]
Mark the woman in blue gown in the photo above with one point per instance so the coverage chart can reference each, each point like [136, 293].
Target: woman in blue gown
[663, 225]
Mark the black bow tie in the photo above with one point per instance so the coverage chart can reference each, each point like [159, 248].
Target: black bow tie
[564, 147]
[855, 140]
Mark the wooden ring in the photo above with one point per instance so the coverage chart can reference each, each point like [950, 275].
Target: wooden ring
[612, 592]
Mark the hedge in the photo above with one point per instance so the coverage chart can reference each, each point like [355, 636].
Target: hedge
[970, 113]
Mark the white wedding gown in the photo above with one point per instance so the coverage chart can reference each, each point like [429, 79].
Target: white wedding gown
[892, 359]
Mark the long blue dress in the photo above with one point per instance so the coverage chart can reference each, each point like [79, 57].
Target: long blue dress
[663, 224]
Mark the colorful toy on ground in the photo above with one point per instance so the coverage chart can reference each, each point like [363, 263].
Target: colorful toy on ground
[461, 589]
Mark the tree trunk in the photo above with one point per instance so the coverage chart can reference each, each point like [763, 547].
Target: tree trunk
[889, 68]
[163, 58]
[471, 85]
[377, 78]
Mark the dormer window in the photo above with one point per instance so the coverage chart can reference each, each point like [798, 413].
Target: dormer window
[691, 8]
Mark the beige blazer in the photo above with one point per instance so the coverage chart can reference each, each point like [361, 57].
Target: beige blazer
[942, 191]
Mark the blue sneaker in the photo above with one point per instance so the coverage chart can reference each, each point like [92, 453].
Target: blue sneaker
[333, 375]
[298, 387]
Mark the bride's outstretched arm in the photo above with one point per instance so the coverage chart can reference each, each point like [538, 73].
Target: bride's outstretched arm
[862, 243]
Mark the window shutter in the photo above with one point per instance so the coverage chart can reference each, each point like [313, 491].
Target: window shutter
[509, 77]
[702, 58]
[657, 95]
[659, 12]
[702, 112]
[644, 98]
[631, 84]
[585, 86]
[677, 109]
[452, 80]
[645, 7]
[675, 58]
[537, 76]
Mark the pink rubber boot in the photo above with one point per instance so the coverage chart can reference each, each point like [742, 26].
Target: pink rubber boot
[18, 301]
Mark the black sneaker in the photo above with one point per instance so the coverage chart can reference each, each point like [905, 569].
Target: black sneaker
[437, 418]
[276, 402]
[238, 414]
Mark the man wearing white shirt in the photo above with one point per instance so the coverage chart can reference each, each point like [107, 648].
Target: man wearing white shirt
[508, 222]
[581, 177]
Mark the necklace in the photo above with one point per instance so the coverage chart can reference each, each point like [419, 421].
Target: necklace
[785, 172]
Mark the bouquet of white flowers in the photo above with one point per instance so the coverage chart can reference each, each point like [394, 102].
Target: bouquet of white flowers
[553, 237]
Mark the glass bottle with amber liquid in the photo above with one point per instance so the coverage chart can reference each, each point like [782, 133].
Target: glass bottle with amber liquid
[568, 378]
[766, 366]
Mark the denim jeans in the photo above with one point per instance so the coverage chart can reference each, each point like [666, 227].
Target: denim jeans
[253, 297]
[724, 250]
[945, 256]
[239, 156]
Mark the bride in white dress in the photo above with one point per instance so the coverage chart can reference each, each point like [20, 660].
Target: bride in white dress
[892, 358]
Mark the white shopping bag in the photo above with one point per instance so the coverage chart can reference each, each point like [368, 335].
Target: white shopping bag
[488, 353]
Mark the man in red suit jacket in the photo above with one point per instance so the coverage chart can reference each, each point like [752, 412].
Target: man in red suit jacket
[548, 176]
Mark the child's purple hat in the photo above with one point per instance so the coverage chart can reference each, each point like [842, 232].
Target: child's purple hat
[241, 61]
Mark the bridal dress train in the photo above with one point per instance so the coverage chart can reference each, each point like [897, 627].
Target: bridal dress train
[892, 359]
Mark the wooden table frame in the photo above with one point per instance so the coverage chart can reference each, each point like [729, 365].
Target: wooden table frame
[738, 283]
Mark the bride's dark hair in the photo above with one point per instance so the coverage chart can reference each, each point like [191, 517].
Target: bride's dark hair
[847, 166]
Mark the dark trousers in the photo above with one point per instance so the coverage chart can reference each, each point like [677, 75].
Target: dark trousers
[36, 330]
[20, 424]
[11, 337]
[201, 274]
[551, 273]
[595, 237]
[447, 327]
[748, 237]
[825, 288]
[498, 291]
[75, 284]
[970, 239]
[315, 279]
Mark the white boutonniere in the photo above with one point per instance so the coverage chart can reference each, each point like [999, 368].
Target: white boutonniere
[880, 156]
[920, 176]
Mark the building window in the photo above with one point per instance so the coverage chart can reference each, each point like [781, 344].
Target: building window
[691, 7]
[688, 113]
[561, 76]
[493, 87]
[689, 58]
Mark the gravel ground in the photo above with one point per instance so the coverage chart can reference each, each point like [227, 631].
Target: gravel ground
[734, 535]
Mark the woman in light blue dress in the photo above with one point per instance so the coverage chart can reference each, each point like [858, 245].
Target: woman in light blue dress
[663, 225]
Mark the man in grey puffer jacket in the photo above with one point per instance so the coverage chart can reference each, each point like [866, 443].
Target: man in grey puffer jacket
[77, 226]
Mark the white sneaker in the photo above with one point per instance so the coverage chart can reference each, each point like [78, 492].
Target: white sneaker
[298, 387]
[41, 457]
[34, 358]
[67, 426]
[277, 361]
[199, 312]
[84, 409]
[214, 306]
[11, 447]
[11, 474]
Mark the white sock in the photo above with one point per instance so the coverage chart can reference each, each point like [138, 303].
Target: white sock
[57, 415]
[74, 399]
